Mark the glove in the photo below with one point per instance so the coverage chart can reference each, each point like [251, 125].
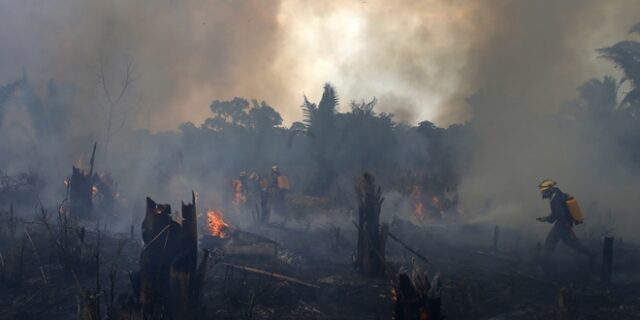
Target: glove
[541, 219]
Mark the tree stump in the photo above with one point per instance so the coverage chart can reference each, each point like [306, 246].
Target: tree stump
[81, 189]
[81, 196]
[167, 284]
[415, 297]
[369, 258]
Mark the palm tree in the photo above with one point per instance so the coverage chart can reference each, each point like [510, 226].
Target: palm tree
[626, 56]
[319, 124]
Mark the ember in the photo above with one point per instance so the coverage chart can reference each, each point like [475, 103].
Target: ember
[94, 192]
[217, 226]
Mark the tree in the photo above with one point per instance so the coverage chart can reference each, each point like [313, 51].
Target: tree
[228, 113]
[626, 55]
[115, 86]
[319, 121]
[263, 117]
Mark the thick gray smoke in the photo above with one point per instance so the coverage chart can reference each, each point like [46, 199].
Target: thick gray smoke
[184, 53]
[527, 63]
[506, 66]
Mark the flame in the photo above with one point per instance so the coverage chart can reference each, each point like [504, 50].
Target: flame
[415, 196]
[94, 192]
[217, 226]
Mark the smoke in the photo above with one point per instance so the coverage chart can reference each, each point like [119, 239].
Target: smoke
[527, 62]
[519, 61]
[184, 53]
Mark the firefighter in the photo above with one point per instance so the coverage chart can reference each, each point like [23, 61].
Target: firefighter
[240, 189]
[259, 197]
[278, 189]
[244, 183]
[563, 222]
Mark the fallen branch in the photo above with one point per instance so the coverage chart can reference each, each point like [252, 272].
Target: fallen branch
[408, 248]
[271, 274]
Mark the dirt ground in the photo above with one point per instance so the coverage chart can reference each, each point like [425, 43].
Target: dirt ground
[479, 283]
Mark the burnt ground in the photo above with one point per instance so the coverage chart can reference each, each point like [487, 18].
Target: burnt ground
[40, 282]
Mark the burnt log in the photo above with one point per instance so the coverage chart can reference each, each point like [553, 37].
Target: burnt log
[369, 259]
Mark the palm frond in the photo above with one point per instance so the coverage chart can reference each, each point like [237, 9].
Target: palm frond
[308, 112]
[329, 102]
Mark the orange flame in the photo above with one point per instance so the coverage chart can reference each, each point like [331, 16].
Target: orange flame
[94, 192]
[217, 226]
[415, 196]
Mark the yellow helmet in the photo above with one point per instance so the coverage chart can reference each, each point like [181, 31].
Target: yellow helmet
[546, 184]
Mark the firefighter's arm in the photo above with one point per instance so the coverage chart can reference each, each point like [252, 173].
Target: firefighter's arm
[544, 219]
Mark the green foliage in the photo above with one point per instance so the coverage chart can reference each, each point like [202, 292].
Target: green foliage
[626, 56]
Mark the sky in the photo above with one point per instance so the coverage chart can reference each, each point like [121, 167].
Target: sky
[420, 59]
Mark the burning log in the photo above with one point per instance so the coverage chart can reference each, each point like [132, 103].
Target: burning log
[168, 279]
[369, 258]
[234, 241]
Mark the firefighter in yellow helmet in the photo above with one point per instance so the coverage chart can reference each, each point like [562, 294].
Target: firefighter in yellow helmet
[277, 193]
[561, 218]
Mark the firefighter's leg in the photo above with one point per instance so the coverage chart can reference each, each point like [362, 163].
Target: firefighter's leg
[551, 242]
[572, 240]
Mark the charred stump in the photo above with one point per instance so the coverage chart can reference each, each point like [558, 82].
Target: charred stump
[81, 193]
[167, 284]
[416, 297]
[369, 258]
[81, 189]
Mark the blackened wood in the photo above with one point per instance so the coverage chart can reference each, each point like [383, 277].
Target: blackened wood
[167, 276]
[369, 258]
[80, 193]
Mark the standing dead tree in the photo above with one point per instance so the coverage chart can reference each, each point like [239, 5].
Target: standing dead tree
[81, 189]
[168, 284]
[115, 91]
[369, 258]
